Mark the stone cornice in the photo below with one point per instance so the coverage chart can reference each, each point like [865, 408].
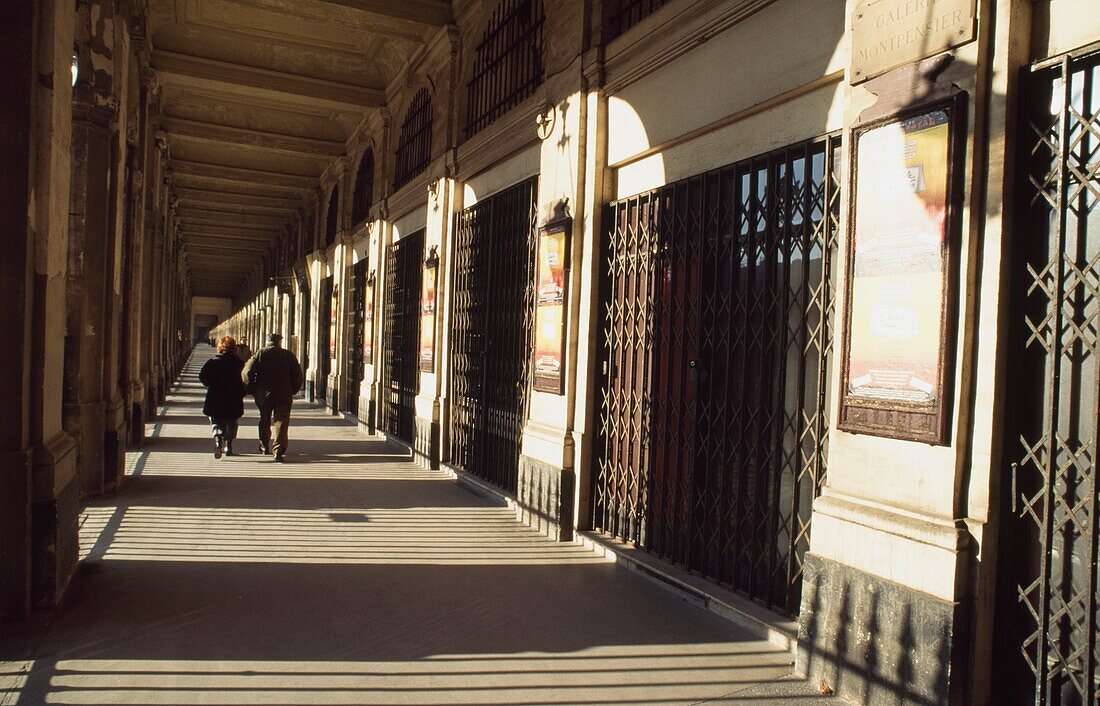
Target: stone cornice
[509, 134]
[669, 33]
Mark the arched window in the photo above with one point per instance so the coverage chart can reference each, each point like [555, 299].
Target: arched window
[330, 218]
[414, 149]
[624, 14]
[364, 189]
[509, 64]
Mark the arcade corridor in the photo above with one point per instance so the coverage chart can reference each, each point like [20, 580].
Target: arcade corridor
[350, 575]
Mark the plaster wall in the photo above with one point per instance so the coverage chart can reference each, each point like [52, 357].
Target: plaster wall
[515, 169]
[1063, 25]
[733, 71]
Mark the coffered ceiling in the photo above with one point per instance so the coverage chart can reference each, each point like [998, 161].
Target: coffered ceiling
[259, 97]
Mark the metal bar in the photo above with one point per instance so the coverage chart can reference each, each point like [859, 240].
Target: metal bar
[1055, 369]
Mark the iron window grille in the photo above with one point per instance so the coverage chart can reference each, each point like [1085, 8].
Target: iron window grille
[404, 272]
[717, 301]
[1050, 590]
[508, 65]
[491, 332]
[324, 360]
[354, 342]
[331, 216]
[364, 189]
[624, 14]
[414, 148]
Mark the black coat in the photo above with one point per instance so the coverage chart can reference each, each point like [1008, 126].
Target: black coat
[225, 392]
[273, 375]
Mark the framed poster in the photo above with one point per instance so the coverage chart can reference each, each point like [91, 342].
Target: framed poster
[902, 236]
[334, 307]
[368, 321]
[427, 314]
[550, 297]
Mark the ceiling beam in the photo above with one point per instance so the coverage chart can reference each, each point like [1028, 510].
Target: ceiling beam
[227, 186]
[222, 230]
[224, 172]
[196, 195]
[281, 214]
[425, 13]
[196, 131]
[189, 71]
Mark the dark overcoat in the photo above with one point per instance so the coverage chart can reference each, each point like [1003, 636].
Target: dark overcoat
[224, 390]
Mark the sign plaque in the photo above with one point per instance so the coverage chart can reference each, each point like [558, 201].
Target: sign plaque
[427, 314]
[890, 33]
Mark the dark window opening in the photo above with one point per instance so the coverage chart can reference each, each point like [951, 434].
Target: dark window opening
[509, 66]
[624, 14]
[414, 148]
[364, 189]
[331, 216]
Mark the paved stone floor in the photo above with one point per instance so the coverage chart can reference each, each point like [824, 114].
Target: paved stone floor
[351, 576]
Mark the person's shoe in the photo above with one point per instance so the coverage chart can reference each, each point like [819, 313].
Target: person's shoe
[229, 449]
[264, 450]
[279, 458]
[219, 441]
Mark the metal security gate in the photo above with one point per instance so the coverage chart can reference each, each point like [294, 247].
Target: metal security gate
[491, 332]
[717, 315]
[324, 325]
[354, 342]
[1048, 598]
[404, 270]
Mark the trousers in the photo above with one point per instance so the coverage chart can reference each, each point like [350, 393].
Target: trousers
[279, 414]
[225, 427]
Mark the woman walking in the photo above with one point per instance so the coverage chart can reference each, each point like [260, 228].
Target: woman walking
[221, 375]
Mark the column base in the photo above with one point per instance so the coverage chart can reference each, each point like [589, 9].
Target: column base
[85, 425]
[114, 445]
[15, 535]
[873, 641]
[366, 416]
[544, 493]
[55, 515]
[425, 446]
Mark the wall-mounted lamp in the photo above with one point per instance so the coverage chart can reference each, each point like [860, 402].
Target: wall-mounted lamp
[545, 122]
[433, 189]
[370, 279]
[433, 257]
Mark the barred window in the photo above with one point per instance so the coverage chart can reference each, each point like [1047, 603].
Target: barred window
[624, 14]
[364, 189]
[330, 218]
[414, 149]
[509, 64]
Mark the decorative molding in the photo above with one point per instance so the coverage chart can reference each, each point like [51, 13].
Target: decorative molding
[511, 133]
[671, 32]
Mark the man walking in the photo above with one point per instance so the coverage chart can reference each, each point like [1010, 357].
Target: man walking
[273, 376]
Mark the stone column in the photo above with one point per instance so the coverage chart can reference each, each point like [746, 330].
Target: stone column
[86, 296]
[56, 492]
[17, 315]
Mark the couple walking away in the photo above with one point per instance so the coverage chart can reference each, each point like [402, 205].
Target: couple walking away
[273, 376]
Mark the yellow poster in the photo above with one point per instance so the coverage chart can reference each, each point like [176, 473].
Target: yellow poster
[897, 300]
[550, 312]
[427, 321]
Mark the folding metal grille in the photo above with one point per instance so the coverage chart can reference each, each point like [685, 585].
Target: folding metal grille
[624, 14]
[404, 270]
[324, 361]
[306, 303]
[331, 216]
[354, 341]
[491, 330]
[509, 65]
[717, 307]
[414, 148]
[364, 189]
[1051, 596]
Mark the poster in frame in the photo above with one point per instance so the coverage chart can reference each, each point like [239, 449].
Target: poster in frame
[427, 313]
[548, 362]
[904, 228]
